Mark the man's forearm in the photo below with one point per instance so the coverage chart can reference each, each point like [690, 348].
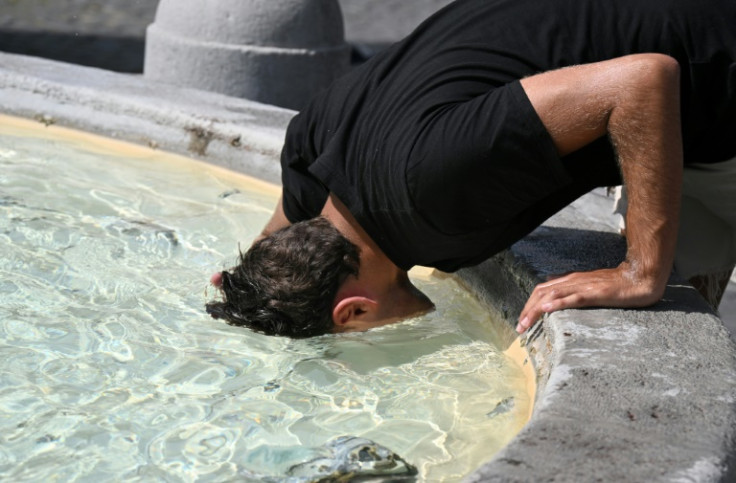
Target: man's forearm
[278, 221]
[649, 149]
[635, 101]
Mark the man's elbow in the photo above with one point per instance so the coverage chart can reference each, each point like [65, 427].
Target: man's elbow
[655, 71]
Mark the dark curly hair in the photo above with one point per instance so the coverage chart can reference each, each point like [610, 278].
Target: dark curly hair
[286, 283]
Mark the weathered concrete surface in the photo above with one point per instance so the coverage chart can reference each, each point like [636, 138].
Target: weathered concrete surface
[235, 133]
[626, 395]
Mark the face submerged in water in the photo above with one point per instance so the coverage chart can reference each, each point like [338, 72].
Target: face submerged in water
[354, 310]
[361, 306]
[308, 279]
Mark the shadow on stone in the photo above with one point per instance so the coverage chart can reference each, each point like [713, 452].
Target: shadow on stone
[554, 251]
[120, 54]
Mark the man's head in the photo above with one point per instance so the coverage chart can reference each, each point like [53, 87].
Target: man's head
[307, 280]
[286, 283]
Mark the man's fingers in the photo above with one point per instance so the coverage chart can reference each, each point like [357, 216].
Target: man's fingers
[547, 299]
[533, 310]
[543, 299]
[572, 301]
[606, 287]
[581, 289]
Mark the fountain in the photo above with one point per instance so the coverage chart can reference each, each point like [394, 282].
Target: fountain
[630, 395]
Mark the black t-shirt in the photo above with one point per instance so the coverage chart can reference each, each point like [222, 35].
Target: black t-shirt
[436, 150]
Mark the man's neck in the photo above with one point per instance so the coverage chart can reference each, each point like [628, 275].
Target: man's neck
[373, 262]
[392, 295]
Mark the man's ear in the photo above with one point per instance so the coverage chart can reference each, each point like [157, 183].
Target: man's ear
[352, 308]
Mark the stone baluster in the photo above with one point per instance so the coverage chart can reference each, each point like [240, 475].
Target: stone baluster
[277, 52]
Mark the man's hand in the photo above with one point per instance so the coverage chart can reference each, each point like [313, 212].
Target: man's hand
[635, 100]
[611, 287]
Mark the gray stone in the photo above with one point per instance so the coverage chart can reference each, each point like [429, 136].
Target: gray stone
[371, 25]
[279, 52]
[352, 458]
[502, 407]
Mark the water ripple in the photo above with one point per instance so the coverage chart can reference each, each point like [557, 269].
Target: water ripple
[112, 371]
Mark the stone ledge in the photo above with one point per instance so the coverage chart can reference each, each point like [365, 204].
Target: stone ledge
[623, 395]
[235, 133]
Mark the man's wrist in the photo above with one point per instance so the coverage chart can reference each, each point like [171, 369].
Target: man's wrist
[649, 278]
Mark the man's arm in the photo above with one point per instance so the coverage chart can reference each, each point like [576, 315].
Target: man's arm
[278, 221]
[635, 101]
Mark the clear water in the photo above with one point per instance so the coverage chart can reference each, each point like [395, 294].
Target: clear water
[111, 369]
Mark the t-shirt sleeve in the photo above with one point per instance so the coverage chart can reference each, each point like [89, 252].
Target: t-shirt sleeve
[303, 195]
[479, 163]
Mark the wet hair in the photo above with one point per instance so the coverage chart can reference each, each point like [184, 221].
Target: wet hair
[286, 283]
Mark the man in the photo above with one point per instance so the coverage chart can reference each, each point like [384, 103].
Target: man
[462, 138]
